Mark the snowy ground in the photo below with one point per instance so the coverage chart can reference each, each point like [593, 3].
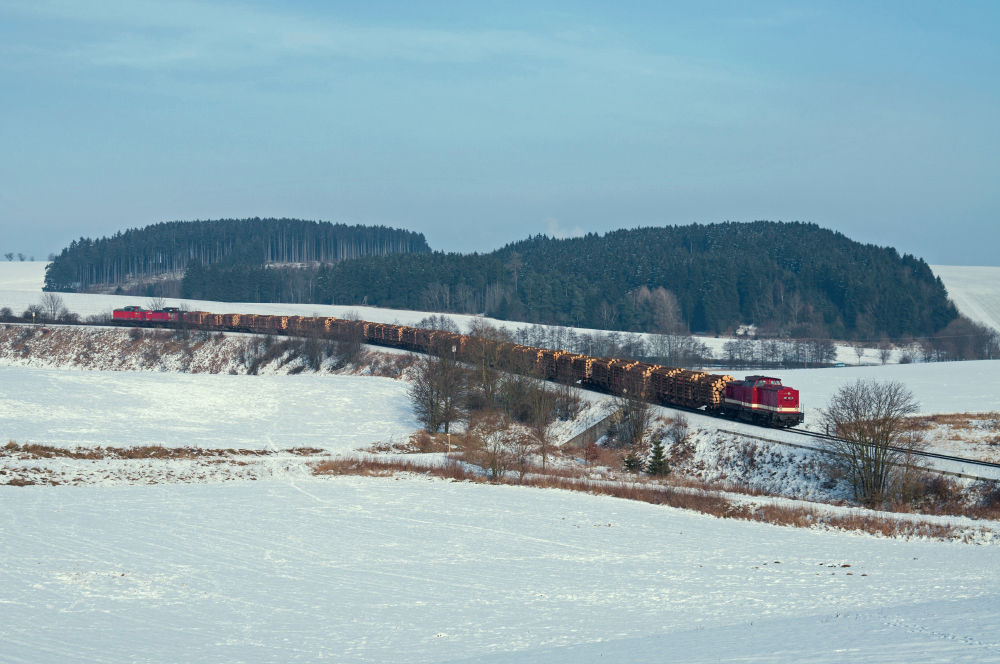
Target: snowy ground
[389, 570]
[974, 290]
[276, 564]
[83, 408]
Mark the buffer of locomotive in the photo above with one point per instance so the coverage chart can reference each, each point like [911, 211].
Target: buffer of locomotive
[757, 399]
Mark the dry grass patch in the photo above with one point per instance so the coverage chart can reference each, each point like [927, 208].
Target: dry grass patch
[705, 502]
[961, 427]
[33, 451]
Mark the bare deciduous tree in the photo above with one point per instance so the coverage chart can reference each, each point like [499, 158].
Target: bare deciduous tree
[607, 313]
[884, 351]
[52, 305]
[156, 303]
[521, 449]
[9, 255]
[678, 350]
[34, 313]
[869, 419]
[635, 420]
[666, 312]
[349, 340]
[859, 348]
[486, 351]
[796, 305]
[543, 412]
[438, 389]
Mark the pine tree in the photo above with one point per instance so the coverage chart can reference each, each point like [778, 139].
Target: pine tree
[658, 466]
[631, 462]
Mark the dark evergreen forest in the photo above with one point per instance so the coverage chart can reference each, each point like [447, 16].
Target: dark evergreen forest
[792, 279]
[786, 278]
[244, 244]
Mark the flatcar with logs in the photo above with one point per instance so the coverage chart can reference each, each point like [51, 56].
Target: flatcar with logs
[758, 399]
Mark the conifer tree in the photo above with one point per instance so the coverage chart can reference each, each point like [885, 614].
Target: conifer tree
[657, 466]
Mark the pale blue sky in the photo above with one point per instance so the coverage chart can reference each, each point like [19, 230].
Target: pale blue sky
[479, 126]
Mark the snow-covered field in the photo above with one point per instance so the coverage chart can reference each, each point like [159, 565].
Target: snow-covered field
[82, 408]
[974, 290]
[414, 570]
[22, 276]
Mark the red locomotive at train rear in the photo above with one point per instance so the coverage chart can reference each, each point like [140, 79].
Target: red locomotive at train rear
[763, 400]
[140, 315]
[129, 313]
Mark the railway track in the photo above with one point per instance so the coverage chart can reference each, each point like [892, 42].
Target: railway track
[829, 438]
[925, 454]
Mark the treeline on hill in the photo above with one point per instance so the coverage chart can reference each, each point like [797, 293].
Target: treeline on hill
[786, 278]
[143, 254]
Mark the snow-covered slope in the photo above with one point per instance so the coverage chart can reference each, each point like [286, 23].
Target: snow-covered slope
[82, 408]
[22, 276]
[393, 570]
[974, 290]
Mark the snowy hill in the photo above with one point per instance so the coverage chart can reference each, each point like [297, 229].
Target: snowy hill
[22, 276]
[974, 290]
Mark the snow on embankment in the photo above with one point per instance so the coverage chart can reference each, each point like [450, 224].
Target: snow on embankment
[406, 569]
[974, 290]
[338, 414]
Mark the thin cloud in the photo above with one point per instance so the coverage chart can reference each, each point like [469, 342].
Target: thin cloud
[155, 35]
[558, 232]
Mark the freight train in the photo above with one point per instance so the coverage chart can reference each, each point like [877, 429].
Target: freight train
[758, 399]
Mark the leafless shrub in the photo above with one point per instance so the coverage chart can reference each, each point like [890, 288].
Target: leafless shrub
[33, 314]
[493, 442]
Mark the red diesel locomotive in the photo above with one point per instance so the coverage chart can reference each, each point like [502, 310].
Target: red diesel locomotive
[140, 315]
[762, 400]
